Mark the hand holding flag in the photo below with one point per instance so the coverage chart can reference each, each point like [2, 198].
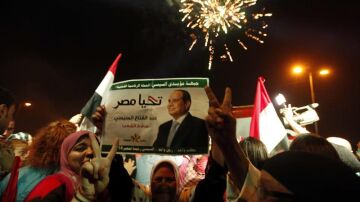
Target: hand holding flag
[98, 96]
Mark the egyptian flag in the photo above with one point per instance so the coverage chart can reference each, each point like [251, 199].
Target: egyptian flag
[96, 99]
[265, 123]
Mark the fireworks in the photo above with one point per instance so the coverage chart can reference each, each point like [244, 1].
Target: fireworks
[214, 18]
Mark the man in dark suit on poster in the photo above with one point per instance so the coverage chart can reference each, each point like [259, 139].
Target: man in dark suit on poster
[184, 130]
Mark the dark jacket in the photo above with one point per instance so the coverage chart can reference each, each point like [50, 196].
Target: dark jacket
[192, 133]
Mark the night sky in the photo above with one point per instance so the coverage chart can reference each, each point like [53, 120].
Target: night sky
[55, 53]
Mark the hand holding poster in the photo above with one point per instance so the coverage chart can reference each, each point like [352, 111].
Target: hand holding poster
[158, 116]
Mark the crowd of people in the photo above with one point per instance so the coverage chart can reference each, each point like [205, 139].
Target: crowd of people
[63, 163]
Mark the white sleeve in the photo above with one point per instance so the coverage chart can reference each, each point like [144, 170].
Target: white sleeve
[234, 193]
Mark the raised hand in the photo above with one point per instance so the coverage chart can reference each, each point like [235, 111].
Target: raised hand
[95, 174]
[221, 123]
[99, 116]
[297, 129]
[129, 165]
[222, 129]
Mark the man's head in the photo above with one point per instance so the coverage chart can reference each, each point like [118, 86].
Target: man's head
[179, 103]
[10, 129]
[7, 108]
[6, 158]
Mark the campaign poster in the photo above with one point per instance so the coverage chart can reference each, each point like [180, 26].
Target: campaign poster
[162, 116]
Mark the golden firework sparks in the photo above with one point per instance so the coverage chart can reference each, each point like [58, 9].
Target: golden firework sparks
[218, 17]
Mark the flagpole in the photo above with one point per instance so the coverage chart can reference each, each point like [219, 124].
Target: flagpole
[312, 93]
[81, 119]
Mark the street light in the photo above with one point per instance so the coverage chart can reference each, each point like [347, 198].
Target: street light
[27, 104]
[299, 69]
[24, 105]
[324, 72]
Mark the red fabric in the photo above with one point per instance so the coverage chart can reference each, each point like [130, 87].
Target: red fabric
[11, 189]
[262, 99]
[49, 185]
[112, 68]
[192, 170]
[201, 163]
[242, 111]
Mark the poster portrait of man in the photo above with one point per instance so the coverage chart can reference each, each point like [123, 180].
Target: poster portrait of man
[184, 130]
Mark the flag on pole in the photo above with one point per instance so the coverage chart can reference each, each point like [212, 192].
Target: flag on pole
[265, 123]
[97, 97]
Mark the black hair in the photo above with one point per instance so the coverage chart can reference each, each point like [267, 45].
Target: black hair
[185, 95]
[255, 150]
[314, 144]
[6, 97]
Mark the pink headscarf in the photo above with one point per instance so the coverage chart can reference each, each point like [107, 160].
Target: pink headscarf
[66, 147]
[201, 163]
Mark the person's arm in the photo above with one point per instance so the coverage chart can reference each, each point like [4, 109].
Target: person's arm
[222, 129]
[213, 186]
[288, 115]
[119, 177]
[216, 154]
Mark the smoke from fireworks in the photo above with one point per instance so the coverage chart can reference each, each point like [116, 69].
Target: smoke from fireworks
[214, 18]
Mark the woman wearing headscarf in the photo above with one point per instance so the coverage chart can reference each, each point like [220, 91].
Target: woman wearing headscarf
[83, 175]
[164, 184]
[165, 180]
